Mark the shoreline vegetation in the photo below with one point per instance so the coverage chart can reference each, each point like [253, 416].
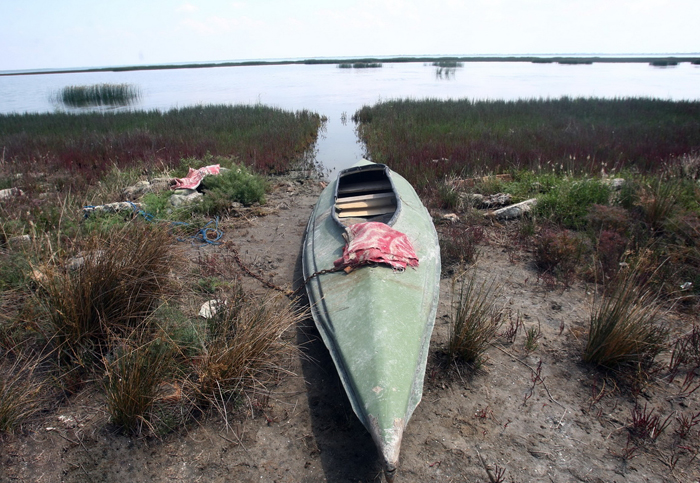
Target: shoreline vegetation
[666, 61]
[64, 277]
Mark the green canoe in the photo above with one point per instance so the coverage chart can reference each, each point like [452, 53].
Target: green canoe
[376, 321]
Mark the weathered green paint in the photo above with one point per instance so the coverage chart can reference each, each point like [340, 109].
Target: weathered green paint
[375, 321]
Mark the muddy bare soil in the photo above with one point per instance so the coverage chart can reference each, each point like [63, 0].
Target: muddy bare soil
[500, 423]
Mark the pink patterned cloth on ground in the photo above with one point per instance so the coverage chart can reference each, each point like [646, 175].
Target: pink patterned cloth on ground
[194, 177]
[374, 242]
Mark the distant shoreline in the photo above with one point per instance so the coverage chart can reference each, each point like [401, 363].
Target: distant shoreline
[569, 60]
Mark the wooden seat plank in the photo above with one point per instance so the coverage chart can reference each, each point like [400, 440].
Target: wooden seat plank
[343, 205]
[382, 210]
[371, 196]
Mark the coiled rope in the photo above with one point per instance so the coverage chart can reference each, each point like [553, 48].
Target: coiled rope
[205, 235]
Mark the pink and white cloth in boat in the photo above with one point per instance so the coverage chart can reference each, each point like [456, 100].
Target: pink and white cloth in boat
[374, 242]
[194, 177]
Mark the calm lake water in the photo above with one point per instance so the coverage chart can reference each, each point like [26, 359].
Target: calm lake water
[338, 93]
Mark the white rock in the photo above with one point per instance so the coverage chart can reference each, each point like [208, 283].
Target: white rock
[209, 309]
[184, 199]
[19, 241]
[8, 193]
[112, 207]
[615, 184]
[515, 211]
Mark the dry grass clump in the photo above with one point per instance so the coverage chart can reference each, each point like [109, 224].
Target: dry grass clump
[623, 326]
[243, 347]
[21, 391]
[115, 282]
[133, 382]
[474, 319]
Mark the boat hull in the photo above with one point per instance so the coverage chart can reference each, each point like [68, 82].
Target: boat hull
[376, 321]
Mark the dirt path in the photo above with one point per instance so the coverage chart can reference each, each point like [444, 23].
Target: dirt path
[568, 425]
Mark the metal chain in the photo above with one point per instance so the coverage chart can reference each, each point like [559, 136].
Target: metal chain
[236, 258]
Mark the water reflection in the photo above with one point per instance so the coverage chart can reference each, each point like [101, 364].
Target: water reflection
[446, 73]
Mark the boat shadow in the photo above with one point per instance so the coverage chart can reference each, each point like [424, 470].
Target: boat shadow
[346, 449]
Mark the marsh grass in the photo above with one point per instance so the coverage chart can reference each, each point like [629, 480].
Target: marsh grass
[244, 348]
[133, 382]
[450, 64]
[460, 245]
[584, 135]
[99, 95]
[624, 330]
[21, 390]
[115, 283]
[474, 319]
[87, 145]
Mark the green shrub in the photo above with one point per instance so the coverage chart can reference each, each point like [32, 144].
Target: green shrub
[558, 251]
[569, 204]
[237, 184]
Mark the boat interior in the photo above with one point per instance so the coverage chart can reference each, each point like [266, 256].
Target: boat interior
[365, 195]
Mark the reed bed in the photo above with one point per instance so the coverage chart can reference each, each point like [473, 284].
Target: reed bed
[88, 144]
[428, 140]
[98, 95]
[360, 65]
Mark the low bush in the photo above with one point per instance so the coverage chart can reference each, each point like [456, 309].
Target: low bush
[459, 244]
[568, 204]
[557, 251]
[610, 218]
[236, 184]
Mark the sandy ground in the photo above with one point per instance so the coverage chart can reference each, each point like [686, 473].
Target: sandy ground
[499, 423]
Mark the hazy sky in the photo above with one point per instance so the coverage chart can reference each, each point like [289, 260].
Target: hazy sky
[82, 33]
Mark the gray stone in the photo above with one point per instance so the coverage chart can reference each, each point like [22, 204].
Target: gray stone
[77, 262]
[615, 184]
[137, 190]
[471, 199]
[8, 193]
[499, 199]
[160, 184]
[514, 211]
[210, 308]
[177, 200]
[184, 191]
[19, 241]
[112, 207]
